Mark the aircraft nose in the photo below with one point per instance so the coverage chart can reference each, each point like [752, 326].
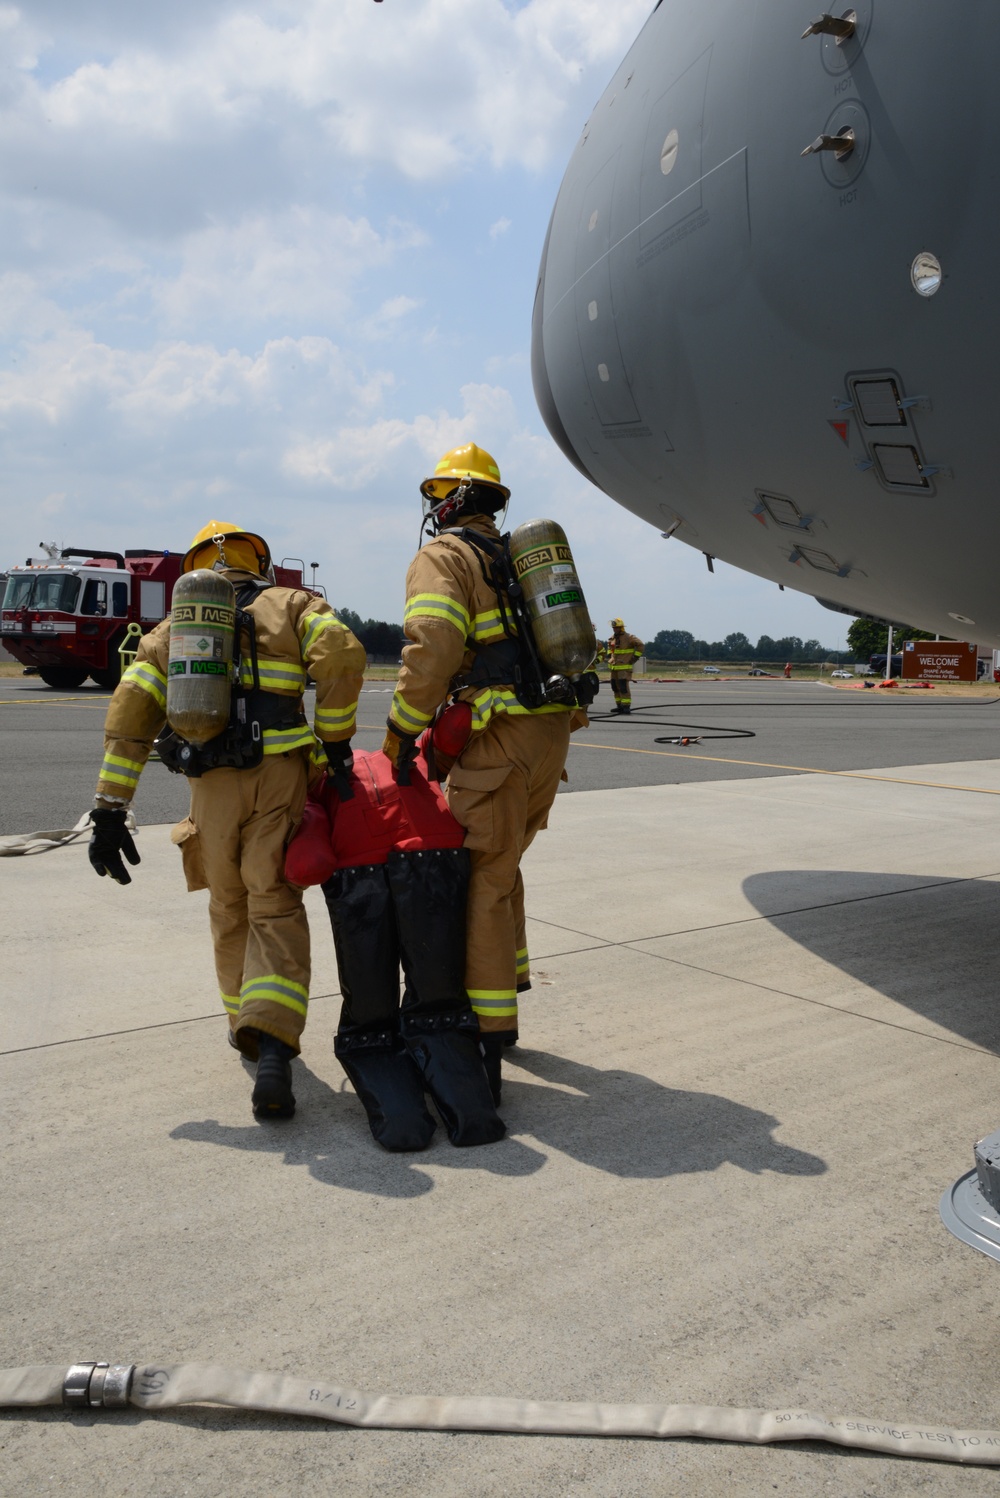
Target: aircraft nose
[540, 375]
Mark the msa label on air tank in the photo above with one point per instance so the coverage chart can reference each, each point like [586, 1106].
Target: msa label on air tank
[195, 646]
[214, 614]
[541, 556]
[197, 668]
[569, 598]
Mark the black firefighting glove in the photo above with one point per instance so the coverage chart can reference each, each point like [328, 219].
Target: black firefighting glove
[340, 763]
[108, 841]
[401, 750]
[586, 687]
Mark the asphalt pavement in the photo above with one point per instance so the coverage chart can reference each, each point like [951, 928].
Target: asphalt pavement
[51, 743]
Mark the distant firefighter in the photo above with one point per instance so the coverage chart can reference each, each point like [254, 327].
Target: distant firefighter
[623, 652]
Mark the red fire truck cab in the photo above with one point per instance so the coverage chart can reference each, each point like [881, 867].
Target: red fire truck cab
[67, 619]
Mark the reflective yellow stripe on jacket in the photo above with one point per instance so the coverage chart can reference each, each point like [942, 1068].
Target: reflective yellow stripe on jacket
[121, 771]
[439, 606]
[150, 679]
[492, 700]
[410, 719]
[336, 720]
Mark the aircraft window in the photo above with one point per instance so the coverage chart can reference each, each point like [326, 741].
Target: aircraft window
[878, 403]
[821, 560]
[592, 311]
[782, 511]
[593, 221]
[668, 155]
[900, 466]
[602, 370]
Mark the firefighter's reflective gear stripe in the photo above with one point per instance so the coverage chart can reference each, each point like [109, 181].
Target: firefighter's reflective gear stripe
[337, 721]
[496, 1003]
[314, 625]
[439, 606]
[489, 626]
[410, 719]
[145, 675]
[494, 700]
[230, 1002]
[283, 740]
[523, 964]
[121, 771]
[275, 676]
[276, 990]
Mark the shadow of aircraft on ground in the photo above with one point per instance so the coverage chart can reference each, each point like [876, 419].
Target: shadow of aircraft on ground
[934, 948]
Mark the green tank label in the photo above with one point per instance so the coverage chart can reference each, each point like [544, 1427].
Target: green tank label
[567, 599]
[208, 668]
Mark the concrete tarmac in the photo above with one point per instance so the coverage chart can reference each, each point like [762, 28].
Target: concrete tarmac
[762, 1037]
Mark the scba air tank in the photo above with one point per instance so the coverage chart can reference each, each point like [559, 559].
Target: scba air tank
[199, 673]
[544, 566]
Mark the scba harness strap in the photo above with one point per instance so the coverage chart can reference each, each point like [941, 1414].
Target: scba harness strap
[240, 746]
[514, 661]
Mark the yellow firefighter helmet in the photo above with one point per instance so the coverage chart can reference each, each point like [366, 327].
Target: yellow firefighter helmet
[617, 624]
[222, 541]
[468, 462]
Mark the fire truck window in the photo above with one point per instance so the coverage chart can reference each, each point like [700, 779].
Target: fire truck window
[55, 592]
[95, 597]
[119, 599]
[18, 589]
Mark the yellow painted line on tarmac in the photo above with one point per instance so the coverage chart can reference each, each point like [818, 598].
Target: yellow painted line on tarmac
[760, 764]
[53, 702]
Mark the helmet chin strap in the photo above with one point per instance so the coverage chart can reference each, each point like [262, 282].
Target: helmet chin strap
[439, 514]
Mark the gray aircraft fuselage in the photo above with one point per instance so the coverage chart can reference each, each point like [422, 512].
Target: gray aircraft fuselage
[728, 337]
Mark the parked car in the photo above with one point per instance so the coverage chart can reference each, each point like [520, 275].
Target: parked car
[843, 675]
[710, 670]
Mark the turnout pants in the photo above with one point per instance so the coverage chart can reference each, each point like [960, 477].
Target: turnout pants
[621, 687]
[500, 789]
[234, 845]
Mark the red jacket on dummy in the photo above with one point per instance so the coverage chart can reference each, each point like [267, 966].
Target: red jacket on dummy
[381, 816]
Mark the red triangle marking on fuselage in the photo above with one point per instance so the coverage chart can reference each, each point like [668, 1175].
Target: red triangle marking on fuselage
[841, 428]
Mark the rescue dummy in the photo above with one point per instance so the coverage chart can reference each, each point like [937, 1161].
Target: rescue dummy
[395, 877]
[504, 766]
[623, 652]
[231, 674]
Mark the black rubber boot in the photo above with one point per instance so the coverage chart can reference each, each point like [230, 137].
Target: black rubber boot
[445, 1047]
[272, 1096]
[389, 1086]
[491, 1044]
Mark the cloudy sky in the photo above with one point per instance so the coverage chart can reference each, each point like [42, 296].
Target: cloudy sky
[267, 261]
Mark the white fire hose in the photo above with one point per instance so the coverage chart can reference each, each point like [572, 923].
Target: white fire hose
[162, 1387]
[40, 842]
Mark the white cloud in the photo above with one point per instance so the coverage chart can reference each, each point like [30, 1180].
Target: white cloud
[500, 227]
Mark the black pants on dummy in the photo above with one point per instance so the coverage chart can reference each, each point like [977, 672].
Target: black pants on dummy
[410, 910]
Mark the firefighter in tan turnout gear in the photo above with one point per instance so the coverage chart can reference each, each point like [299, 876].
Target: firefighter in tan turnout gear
[623, 652]
[248, 788]
[502, 783]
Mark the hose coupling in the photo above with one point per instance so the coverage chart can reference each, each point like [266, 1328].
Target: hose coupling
[97, 1386]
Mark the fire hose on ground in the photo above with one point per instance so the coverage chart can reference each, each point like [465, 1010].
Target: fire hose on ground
[152, 1387]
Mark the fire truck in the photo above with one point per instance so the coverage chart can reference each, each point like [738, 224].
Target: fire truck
[67, 619]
